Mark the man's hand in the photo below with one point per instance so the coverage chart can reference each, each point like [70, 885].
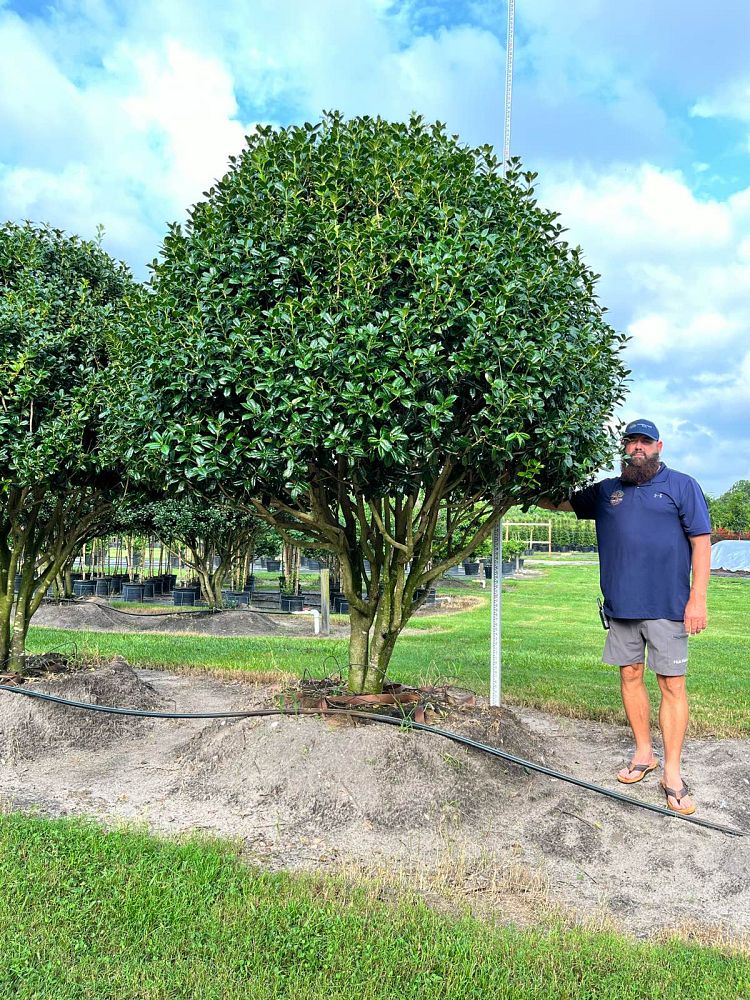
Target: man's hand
[696, 616]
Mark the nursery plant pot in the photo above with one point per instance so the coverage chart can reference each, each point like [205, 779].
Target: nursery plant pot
[291, 602]
[471, 568]
[507, 567]
[488, 571]
[132, 592]
[84, 588]
[103, 587]
[273, 565]
[431, 592]
[182, 596]
[148, 589]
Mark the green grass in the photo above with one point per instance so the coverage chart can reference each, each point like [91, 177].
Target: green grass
[552, 643]
[124, 916]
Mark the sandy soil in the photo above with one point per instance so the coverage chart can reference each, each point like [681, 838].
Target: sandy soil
[303, 793]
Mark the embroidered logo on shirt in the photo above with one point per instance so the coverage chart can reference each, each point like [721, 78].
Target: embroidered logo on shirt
[616, 497]
[658, 496]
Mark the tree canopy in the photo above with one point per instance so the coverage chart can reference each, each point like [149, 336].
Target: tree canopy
[371, 326]
[63, 306]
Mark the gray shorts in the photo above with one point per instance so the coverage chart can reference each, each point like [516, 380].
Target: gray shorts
[666, 642]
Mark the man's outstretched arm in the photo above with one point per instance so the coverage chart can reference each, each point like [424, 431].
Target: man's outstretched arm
[547, 504]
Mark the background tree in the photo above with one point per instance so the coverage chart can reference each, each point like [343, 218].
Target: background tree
[376, 327]
[731, 511]
[63, 305]
[216, 535]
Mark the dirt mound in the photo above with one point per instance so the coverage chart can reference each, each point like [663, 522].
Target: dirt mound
[96, 615]
[313, 778]
[30, 727]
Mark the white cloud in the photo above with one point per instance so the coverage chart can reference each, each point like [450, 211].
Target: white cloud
[731, 102]
[130, 146]
[675, 271]
[184, 104]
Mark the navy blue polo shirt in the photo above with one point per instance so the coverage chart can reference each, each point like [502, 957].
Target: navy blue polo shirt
[643, 534]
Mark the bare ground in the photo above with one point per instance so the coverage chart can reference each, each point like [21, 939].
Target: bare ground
[379, 801]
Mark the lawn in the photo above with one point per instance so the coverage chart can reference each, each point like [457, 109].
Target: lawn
[552, 642]
[88, 915]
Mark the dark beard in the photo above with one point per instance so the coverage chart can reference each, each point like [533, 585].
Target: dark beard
[641, 472]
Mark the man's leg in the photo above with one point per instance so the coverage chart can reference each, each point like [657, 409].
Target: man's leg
[673, 720]
[638, 711]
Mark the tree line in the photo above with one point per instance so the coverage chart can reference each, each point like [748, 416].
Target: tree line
[730, 512]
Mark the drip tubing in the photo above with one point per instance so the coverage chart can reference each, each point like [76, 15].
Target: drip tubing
[404, 723]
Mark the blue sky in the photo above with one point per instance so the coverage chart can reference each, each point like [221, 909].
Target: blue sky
[636, 116]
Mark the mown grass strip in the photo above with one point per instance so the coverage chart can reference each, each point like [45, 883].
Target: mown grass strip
[552, 643]
[124, 916]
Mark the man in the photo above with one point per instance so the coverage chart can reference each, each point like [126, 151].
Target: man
[653, 528]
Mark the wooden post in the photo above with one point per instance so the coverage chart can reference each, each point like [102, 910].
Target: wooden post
[325, 602]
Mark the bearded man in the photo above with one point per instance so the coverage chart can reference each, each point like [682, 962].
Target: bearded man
[654, 536]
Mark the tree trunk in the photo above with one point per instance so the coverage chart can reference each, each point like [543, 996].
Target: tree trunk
[20, 627]
[6, 604]
[359, 649]
[129, 558]
[374, 632]
[370, 654]
[17, 658]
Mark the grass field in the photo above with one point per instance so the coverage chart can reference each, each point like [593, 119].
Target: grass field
[123, 916]
[552, 643]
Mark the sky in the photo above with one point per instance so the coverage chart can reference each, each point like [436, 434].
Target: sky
[636, 115]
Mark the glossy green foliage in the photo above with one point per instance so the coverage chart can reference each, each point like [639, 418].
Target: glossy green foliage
[374, 300]
[63, 305]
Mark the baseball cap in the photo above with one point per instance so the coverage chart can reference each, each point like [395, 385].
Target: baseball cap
[645, 427]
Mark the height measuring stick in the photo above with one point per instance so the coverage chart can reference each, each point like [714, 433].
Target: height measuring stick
[497, 531]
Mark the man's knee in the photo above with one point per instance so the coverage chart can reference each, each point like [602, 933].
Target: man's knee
[632, 673]
[673, 687]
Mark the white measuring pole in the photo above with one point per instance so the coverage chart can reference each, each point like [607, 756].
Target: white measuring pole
[496, 615]
[497, 532]
[508, 81]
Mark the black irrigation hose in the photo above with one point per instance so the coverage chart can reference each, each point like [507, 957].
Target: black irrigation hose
[388, 720]
[163, 614]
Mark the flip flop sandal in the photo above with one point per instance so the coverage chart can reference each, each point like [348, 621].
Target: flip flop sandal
[677, 796]
[642, 769]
